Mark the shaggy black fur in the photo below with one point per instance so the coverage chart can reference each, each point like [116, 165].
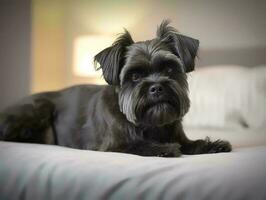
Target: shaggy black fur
[139, 112]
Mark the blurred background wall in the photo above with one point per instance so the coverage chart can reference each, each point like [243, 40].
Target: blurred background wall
[15, 50]
[230, 32]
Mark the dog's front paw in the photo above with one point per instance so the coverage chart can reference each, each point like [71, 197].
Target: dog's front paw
[219, 146]
[206, 146]
[170, 150]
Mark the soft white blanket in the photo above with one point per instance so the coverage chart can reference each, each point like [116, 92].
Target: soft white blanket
[31, 171]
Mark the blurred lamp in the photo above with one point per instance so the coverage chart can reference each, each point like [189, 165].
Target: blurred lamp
[85, 48]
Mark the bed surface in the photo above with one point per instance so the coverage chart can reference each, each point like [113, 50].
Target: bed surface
[32, 171]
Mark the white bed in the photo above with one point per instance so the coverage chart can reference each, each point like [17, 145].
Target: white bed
[31, 171]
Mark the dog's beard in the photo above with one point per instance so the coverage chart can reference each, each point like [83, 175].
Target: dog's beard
[140, 109]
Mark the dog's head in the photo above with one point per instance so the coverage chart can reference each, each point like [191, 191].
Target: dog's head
[151, 75]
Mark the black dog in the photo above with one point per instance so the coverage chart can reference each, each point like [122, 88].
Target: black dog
[139, 112]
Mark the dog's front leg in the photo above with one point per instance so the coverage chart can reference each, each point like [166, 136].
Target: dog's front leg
[205, 146]
[144, 148]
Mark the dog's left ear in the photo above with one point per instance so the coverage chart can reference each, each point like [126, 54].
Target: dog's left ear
[183, 46]
[112, 59]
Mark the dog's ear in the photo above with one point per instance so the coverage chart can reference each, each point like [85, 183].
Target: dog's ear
[183, 46]
[112, 59]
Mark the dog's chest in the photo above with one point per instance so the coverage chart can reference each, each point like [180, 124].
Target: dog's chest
[159, 134]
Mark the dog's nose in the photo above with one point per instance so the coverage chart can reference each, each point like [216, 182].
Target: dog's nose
[156, 89]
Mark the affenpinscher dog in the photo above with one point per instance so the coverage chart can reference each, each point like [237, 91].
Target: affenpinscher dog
[139, 112]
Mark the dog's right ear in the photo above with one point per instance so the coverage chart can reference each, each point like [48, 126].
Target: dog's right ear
[112, 59]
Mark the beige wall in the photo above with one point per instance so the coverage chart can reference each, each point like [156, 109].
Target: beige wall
[48, 45]
[218, 24]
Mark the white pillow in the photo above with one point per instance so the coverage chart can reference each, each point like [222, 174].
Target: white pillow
[227, 96]
[255, 112]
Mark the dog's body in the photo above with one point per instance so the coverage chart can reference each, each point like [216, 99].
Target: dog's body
[139, 112]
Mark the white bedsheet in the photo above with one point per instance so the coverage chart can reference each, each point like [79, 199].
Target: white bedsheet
[32, 171]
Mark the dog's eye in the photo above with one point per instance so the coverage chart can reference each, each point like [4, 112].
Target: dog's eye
[136, 77]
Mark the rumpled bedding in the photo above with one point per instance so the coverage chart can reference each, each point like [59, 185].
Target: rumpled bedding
[44, 172]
